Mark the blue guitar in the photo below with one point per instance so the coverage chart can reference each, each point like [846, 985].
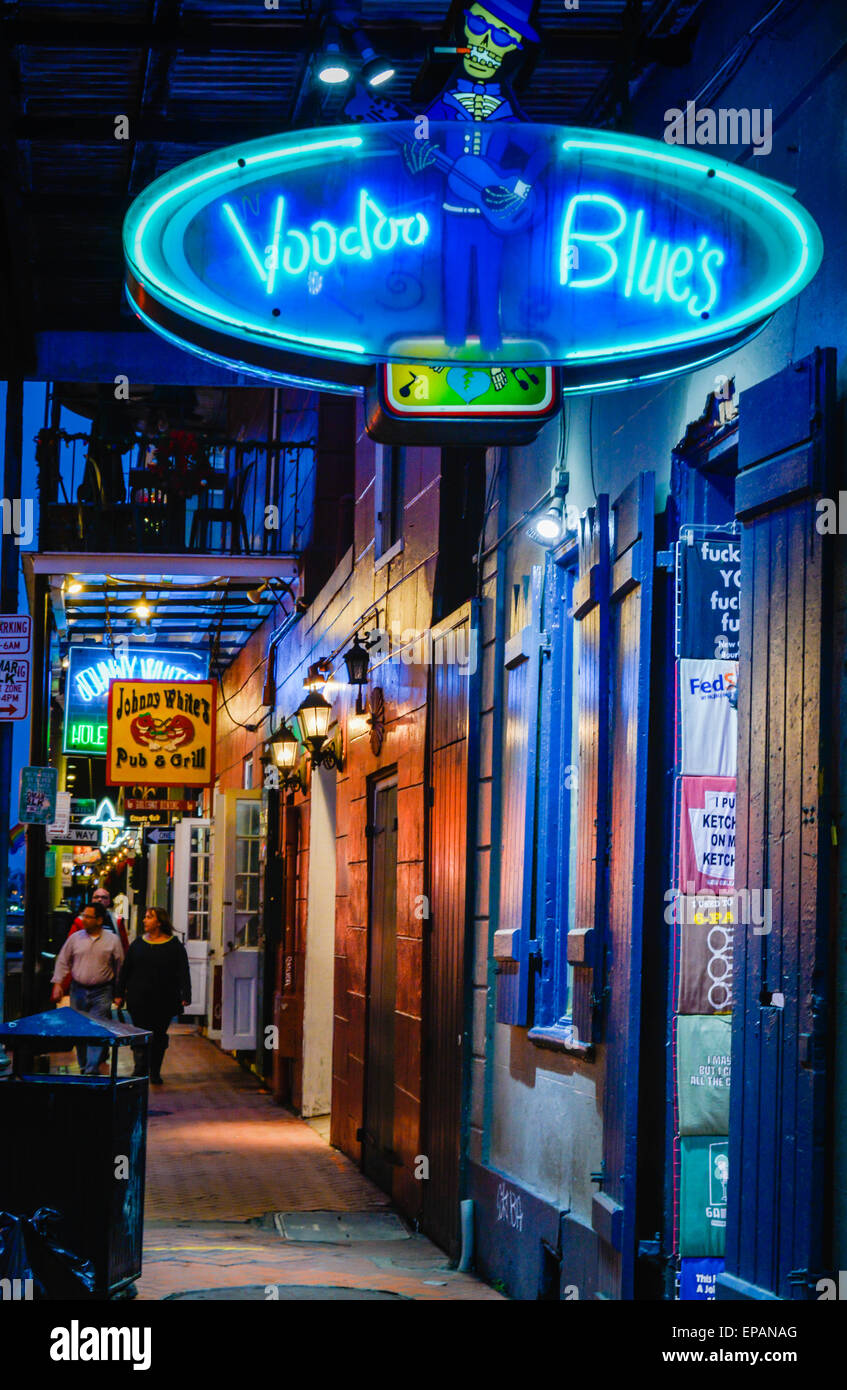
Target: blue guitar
[470, 178]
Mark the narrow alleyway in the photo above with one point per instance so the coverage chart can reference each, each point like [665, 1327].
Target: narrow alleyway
[223, 1159]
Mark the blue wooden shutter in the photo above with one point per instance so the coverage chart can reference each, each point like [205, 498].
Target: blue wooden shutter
[630, 628]
[776, 1239]
[591, 610]
[513, 944]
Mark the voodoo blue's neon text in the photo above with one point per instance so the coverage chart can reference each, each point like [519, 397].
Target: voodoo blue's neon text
[615, 243]
[293, 251]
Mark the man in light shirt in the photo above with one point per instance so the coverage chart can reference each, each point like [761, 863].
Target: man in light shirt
[93, 958]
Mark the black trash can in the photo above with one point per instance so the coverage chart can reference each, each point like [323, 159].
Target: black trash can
[77, 1144]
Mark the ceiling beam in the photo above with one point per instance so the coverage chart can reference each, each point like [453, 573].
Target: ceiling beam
[299, 36]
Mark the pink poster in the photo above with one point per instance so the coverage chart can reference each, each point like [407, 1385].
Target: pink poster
[707, 835]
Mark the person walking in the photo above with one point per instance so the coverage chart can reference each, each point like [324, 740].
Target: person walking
[93, 958]
[156, 983]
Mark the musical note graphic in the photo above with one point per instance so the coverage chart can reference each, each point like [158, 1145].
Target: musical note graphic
[406, 391]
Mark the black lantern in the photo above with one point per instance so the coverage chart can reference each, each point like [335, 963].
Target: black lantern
[286, 753]
[314, 717]
[358, 663]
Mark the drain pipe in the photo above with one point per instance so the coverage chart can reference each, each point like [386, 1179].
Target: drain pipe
[466, 1214]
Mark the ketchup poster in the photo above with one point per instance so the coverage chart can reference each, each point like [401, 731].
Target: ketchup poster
[161, 731]
[707, 835]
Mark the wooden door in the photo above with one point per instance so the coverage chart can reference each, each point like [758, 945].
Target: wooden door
[378, 1131]
[779, 1226]
[288, 980]
[192, 905]
[447, 1037]
[237, 844]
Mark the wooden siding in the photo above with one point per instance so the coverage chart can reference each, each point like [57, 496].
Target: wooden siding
[777, 1227]
[447, 1041]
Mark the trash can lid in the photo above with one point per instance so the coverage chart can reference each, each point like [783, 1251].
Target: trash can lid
[60, 1027]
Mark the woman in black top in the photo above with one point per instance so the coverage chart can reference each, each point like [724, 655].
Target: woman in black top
[156, 984]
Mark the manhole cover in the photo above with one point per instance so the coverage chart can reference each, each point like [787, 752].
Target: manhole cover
[285, 1293]
[339, 1227]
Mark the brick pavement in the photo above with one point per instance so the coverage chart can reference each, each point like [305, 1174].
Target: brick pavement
[221, 1155]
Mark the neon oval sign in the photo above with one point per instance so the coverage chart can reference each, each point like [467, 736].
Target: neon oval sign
[314, 255]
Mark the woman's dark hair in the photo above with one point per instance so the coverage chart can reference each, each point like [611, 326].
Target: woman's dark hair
[165, 923]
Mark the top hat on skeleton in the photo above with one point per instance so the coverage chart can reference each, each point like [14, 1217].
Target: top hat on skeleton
[515, 13]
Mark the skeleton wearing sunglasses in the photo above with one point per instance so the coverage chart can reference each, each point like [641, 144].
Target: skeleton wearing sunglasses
[479, 96]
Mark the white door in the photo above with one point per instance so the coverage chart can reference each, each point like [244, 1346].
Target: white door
[241, 916]
[192, 904]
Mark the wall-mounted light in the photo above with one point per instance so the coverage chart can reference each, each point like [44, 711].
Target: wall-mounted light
[142, 609]
[73, 586]
[548, 526]
[286, 754]
[314, 717]
[332, 67]
[358, 663]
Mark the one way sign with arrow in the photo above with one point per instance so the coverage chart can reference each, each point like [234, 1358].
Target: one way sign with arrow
[161, 837]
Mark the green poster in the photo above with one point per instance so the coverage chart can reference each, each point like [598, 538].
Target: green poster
[703, 1068]
[702, 1197]
[38, 795]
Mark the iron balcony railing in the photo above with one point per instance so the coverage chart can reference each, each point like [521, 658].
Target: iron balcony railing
[175, 492]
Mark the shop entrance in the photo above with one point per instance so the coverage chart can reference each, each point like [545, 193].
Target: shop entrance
[378, 1136]
[192, 904]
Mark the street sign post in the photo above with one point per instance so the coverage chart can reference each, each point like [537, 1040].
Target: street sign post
[76, 835]
[15, 634]
[14, 686]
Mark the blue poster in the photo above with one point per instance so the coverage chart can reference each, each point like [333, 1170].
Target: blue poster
[38, 795]
[697, 1278]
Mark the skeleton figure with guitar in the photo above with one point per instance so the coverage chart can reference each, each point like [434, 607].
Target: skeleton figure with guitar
[485, 198]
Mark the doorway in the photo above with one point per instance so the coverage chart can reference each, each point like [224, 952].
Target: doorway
[378, 1132]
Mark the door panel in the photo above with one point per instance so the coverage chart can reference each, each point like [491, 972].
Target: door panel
[240, 980]
[192, 905]
[378, 1138]
[779, 1228]
[445, 1074]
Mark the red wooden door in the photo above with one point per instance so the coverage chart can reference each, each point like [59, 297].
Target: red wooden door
[446, 1036]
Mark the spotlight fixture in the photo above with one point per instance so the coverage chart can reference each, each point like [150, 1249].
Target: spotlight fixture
[73, 586]
[333, 68]
[286, 753]
[376, 71]
[142, 609]
[314, 717]
[548, 527]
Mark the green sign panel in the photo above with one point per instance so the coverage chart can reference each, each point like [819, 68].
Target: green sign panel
[460, 402]
[703, 1069]
[702, 1198]
[465, 392]
[85, 736]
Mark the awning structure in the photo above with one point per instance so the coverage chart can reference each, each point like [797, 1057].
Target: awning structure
[213, 603]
